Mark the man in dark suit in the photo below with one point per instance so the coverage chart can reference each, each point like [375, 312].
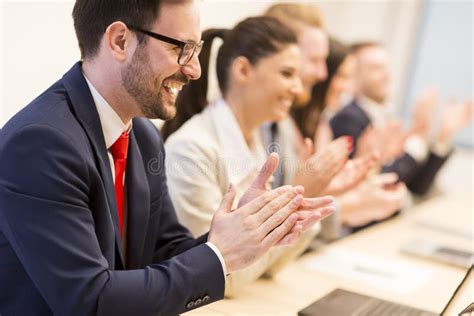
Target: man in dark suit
[86, 223]
[416, 161]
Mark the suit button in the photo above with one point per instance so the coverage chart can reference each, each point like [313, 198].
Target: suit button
[206, 299]
[190, 304]
[198, 301]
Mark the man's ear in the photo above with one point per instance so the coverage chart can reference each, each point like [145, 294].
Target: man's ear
[118, 40]
[241, 69]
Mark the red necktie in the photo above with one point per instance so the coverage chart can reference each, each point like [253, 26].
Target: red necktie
[119, 151]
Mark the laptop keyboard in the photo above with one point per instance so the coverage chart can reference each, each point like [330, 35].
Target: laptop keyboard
[376, 307]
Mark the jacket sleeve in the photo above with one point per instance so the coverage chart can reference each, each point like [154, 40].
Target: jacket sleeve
[405, 167]
[346, 124]
[44, 198]
[425, 177]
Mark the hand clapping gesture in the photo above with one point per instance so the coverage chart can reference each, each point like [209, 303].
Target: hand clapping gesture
[263, 219]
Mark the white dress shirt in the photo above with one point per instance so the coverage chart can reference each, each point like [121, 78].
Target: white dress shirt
[113, 127]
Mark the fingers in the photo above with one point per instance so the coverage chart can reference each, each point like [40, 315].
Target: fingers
[367, 141]
[292, 237]
[307, 150]
[280, 232]
[228, 199]
[275, 205]
[323, 136]
[371, 158]
[375, 157]
[258, 203]
[367, 132]
[327, 211]
[400, 191]
[267, 170]
[278, 217]
[310, 204]
[343, 143]
[467, 111]
[386, 179]
[308, 220]
[362, 165]
[336, 154]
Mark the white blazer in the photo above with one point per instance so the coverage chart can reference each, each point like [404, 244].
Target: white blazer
[203, 157]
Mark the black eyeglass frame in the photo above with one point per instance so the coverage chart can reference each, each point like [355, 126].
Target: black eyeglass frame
[196, 47]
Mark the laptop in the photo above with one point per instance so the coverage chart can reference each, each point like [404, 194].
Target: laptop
[432, 250]
[346, 303]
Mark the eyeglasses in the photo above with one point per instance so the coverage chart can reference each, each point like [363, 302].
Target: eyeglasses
[187, 49]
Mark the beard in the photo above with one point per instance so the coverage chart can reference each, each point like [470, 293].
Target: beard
[377, 96]
[146, 89]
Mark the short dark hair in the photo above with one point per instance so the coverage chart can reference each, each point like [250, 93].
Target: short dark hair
[92, 17]
[254, 38]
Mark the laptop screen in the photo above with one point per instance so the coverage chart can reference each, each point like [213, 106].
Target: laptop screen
[463, 297]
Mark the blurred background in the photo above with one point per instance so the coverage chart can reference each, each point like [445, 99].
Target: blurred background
[430, 42]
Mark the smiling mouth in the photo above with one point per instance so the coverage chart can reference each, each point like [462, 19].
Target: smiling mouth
[173, 87]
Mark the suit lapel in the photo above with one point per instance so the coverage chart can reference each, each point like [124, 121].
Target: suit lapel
[138, 203]
[364, 117]
[84, 107]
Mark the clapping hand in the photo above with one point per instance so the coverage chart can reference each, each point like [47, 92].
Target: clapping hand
[316, 170]
[455, 118]
[263, 219]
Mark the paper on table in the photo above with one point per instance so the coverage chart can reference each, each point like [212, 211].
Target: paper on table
[391, 275]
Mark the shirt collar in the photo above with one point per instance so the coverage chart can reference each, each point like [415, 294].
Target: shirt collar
[376, 112]
[243, 162]
[112, 124]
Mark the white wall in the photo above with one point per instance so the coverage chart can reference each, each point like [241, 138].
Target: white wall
[444, 56]
[393, 23]
[38, 44]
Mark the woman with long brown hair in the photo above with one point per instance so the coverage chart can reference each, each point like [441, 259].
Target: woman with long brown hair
[212, 145]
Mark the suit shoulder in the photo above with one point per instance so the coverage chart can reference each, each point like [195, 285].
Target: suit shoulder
[350, 115]
[51, 108]
[352, 111]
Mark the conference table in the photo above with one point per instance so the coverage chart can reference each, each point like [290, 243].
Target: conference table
[417, 282]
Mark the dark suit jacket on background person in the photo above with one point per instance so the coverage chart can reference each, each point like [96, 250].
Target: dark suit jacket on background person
[352, 120]
[60, 252]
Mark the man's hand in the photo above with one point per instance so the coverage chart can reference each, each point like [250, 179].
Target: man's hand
[388, 141]
[260, 185]
[423, 110]
[317, 170]
[309, 213]
[455, 117]
[245, 234]
[393, 138]
[263, 219]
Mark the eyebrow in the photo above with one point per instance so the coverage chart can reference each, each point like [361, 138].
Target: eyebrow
[289, 68]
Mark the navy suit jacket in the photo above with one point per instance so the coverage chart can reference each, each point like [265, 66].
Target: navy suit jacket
[352, 121]
[60, 252]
